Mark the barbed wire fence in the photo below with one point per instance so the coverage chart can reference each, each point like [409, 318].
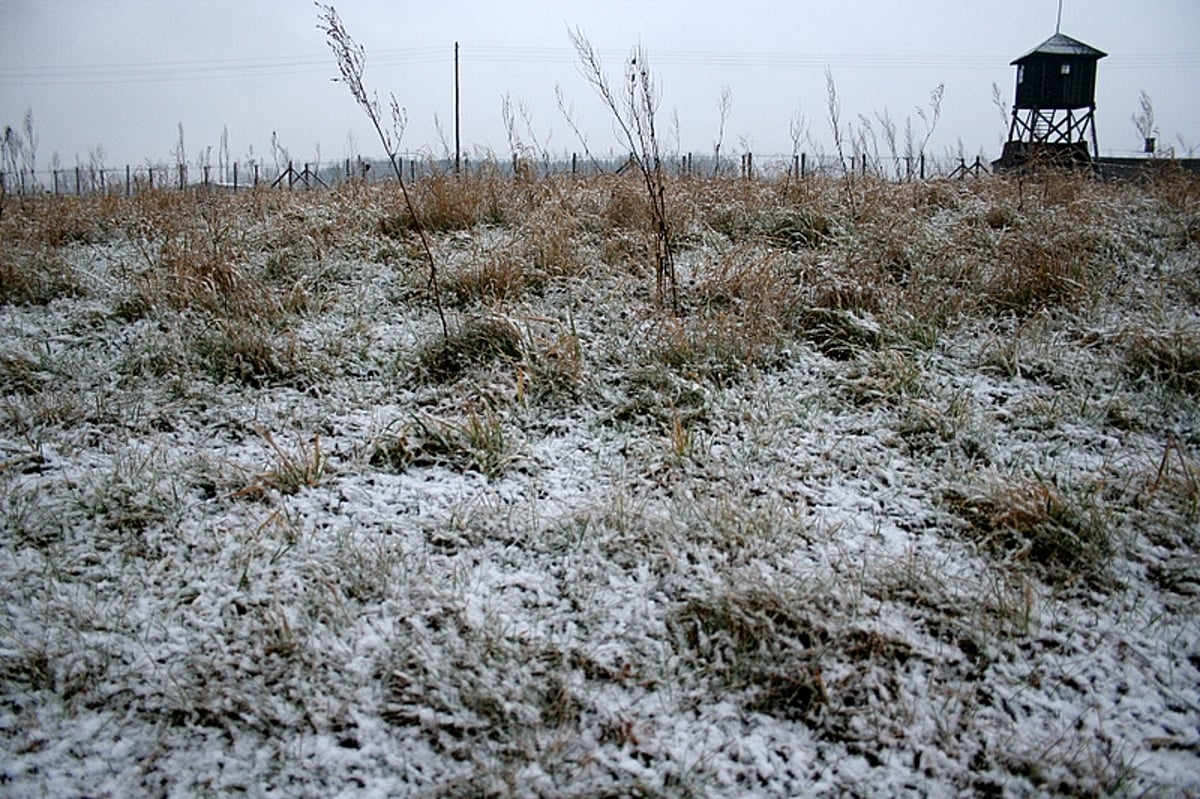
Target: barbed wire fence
[96, 178]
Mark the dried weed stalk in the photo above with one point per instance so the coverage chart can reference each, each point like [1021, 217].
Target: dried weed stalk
[634, 110]
[351, 59]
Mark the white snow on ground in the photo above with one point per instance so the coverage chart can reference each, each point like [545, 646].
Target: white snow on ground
[802, 575]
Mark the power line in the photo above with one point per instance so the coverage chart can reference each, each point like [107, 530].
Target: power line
[235, 68]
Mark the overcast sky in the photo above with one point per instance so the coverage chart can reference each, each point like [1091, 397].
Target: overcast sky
[122, 75]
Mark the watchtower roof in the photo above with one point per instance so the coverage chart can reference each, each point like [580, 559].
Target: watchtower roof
[1061, 44]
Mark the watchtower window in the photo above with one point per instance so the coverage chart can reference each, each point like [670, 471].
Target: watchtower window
[1065, 69]
[1020, 73]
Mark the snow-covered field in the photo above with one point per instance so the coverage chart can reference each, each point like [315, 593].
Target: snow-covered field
[904, 501]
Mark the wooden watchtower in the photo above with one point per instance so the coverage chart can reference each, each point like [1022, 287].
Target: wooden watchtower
[1053, 115]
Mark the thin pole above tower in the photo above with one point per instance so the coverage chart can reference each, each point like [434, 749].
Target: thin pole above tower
[457, 135]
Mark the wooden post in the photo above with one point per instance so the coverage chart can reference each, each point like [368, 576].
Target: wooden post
[235, 177]
[803, 164]
[128, 180]
[182, 175]
[922, 166]
[56, 183]
[291, 173]
[78, 183]
[574, 163]
[255, 175]
[206, 174]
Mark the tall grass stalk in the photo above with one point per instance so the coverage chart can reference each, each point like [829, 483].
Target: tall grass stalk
[351, 59]
[634, 111]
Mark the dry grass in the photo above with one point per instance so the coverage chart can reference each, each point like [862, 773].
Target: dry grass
[1063, 535]
[477, 342]
[911, 469]
[1170, 357]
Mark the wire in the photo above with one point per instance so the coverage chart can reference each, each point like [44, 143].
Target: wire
[238, 68]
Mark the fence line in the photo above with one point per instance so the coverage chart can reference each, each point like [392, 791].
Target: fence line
[93, 179]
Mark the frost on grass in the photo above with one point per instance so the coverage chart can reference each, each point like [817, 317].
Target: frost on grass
[905, 500]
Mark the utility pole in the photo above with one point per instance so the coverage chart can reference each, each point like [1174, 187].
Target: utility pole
[457, 138]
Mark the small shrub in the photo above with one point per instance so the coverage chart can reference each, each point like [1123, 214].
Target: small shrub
[250, 353]
[553, 365]
[761, 642]
[551, 247]
[477, 444]
[1171, 357]
[1000, 217]
[1174, 486]
[627, 207]
[476, 343]
[22, 373]
[294, 470]
[1037, 270]
[657, 393]
[36, 277]
[838, 334]
[798, 229]
[1032, 522]
[717, 347]
[886, 378]
[498, 279]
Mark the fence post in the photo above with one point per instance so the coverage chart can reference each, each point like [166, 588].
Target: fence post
[235, 177]
[922, 163]
[255, 174]
[128, 181]
[78, 182]
[803, 164]
[206, 174]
